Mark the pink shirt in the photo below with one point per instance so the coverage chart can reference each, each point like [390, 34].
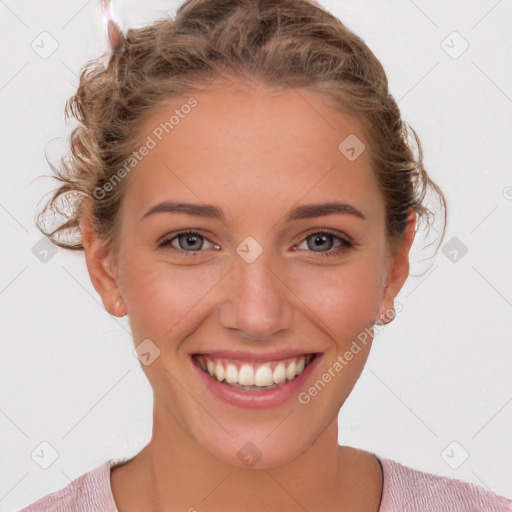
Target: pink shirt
[404, 490]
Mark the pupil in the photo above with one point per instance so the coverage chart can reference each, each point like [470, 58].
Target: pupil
[319, 239]
[191, 239]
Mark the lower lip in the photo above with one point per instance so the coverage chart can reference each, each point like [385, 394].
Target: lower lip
[256, 399]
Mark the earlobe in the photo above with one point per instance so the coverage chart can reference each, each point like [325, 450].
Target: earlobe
[102, 272]
[118, 307]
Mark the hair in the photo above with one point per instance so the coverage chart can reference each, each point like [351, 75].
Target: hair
[274, 44]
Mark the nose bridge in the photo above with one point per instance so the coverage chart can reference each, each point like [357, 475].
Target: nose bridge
[256, 301]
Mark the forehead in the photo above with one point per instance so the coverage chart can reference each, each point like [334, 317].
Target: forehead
[255, 144]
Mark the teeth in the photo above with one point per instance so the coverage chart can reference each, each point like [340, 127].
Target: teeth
[219, 372]
[246, 376]
[231, 373]
[291, 371]
[279, 375]
[263, 376]
[254, 376]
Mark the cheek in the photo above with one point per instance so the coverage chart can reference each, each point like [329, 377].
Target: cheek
[159, 296]
[345, 298]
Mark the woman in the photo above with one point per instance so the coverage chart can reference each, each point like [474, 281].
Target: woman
[217, 154]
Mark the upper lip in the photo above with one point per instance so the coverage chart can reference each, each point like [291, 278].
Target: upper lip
[254, 356]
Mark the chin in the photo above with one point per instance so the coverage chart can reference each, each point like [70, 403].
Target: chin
[258, 453]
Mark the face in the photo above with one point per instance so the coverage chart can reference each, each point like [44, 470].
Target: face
[264, 280]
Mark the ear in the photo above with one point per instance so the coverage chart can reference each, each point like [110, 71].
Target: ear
[398, 271]
[102, 271]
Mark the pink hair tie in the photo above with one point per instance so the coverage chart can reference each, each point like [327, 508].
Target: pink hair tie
[113, 32]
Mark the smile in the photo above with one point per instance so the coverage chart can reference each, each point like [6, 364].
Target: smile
[253, 376]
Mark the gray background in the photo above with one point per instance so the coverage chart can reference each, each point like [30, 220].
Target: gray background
[437, 386]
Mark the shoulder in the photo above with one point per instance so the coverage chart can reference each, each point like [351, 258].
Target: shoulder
[90, 491]
[410, 490]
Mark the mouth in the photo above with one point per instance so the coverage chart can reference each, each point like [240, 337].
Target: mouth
[253, 376]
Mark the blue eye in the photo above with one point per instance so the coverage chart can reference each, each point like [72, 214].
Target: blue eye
[191, 242]
[325, 240]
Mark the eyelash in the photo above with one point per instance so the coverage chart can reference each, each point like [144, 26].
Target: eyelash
[345, 243]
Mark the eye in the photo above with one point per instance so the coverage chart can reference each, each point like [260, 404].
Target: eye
[191, 242]
[325, 239]
[186, 242]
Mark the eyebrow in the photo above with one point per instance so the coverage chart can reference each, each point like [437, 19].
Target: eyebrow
[307, 211]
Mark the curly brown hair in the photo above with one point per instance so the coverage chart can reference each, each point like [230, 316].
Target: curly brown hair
[277, 44]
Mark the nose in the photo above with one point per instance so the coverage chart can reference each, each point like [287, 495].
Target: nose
[257, 300]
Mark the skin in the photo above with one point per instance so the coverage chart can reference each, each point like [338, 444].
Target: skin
[256, 156]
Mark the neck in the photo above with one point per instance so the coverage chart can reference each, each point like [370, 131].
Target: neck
[182, 475]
